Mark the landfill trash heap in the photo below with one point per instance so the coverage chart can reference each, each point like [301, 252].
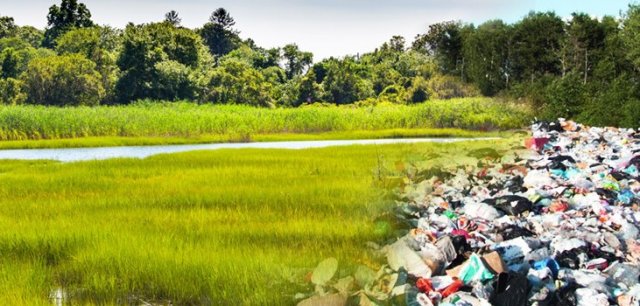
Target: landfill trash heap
[557, 227]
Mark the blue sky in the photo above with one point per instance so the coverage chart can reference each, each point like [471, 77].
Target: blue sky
[325, 27]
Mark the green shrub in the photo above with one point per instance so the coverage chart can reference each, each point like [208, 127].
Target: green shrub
[617, 104]
[235, 82]
[392, 94]
[449, 87]
[174, 81]
[532, 93]
[63, 80]
[11, 92]
[565, 97]
[419, 91]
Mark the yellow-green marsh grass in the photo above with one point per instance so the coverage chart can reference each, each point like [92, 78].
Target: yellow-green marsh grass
[213, 227]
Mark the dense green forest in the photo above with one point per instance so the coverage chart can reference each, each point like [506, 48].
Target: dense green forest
[584, 68]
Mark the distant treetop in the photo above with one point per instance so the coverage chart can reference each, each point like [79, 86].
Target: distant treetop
[222, 18]
[70, 14]
[173, 18]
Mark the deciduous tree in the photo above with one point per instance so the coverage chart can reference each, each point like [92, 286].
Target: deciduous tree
[486, 51]
[63, 80]
[536, 46]
[31, 35]
[8, 27]
[444, 42]
[145, 47]
[297, 62]
[631, 34]
[98, 44]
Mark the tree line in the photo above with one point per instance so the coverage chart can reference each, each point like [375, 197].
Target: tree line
[583, 67]
[76, 62]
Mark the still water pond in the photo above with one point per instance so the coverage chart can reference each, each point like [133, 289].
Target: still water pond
[83, 154]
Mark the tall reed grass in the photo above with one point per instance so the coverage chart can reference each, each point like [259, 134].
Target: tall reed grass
[182, 119]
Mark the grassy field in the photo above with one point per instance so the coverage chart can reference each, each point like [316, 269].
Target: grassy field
[221, 227]
[188, 122]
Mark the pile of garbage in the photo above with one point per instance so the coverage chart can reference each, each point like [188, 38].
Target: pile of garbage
[555, 228]
[555, 224]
